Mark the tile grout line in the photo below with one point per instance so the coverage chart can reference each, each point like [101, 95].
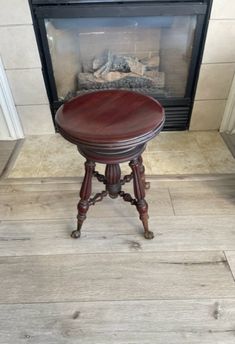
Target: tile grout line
[16, 25]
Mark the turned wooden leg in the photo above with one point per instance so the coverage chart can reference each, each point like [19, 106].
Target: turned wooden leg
[113, 180]
[85, 193]
[142, 173]
[139, 192]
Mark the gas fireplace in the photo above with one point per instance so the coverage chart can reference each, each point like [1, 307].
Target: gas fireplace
[152, 47]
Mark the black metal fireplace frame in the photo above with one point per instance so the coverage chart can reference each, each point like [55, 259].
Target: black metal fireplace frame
[178, 110]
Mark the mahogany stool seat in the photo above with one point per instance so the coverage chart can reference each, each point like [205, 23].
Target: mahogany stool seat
[111, 127]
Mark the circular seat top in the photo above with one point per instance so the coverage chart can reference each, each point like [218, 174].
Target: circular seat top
[109, 116]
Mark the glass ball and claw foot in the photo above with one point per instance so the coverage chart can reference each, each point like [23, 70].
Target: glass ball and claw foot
[113, 187]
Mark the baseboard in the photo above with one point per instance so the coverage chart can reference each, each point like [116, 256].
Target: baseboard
[229, 139]
[12, 158]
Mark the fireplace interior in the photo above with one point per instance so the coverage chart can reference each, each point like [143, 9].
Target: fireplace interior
[152, 47]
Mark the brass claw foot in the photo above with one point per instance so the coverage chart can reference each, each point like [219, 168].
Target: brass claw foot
[147, 185]
[148, 235]
[76, 234]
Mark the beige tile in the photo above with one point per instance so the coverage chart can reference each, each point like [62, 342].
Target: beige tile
[27, 86]
[24, 169]
[125, 168]
[18, 47]
[223, 9]
[30, 158]
[177, 141]
[209, 140]
[36, 143]
[61, 159]
[215, 81]
[215, 151]
[146, 163]
[33, 115]
[53, 156]
[207, 114]
[174, 162]
[220, 40]
[220, 161]
[15, 12]
[57, 143]
[62, 164]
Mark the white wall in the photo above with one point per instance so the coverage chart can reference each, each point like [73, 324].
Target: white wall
[20, 57]
[217, 69]
[4, 132]
[228, 122]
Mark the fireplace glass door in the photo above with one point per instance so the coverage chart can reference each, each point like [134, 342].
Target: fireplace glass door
[149, 54]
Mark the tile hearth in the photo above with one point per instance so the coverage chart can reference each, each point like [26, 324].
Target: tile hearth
[169, 153]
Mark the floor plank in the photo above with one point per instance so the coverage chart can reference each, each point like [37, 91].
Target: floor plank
[198, 200]
[47, 200]
[171, 322]
[106, 235]
[126, 276]
[62, 204]
[113, 286]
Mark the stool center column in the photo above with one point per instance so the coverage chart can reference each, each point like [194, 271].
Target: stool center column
[113, 180]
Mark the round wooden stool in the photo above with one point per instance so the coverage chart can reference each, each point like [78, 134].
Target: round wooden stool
[111, 127]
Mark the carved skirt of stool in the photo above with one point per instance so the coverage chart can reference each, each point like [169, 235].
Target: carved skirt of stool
[111, 127]
[113, 187]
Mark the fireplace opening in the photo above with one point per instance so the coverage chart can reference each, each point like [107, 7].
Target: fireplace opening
[150, 47]
[150, 55]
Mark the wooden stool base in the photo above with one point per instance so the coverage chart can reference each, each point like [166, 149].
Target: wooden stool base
[113, 187]
[111, 127]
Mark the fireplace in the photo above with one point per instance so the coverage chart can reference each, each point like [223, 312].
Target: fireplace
[152, 47]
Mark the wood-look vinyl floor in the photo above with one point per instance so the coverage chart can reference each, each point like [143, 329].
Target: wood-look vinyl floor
[112, 285]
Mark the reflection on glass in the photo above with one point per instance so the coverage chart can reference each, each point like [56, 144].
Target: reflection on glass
[147, 54]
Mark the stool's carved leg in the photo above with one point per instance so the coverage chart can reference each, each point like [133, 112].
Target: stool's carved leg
[113, 179]
[142, 173]
[85, 192]
[139, 192]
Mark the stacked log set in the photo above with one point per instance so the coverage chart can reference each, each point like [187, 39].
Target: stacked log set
[117, 71]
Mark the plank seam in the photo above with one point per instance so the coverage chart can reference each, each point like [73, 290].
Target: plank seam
[231, 271]
[119, 301]
[172, 203]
